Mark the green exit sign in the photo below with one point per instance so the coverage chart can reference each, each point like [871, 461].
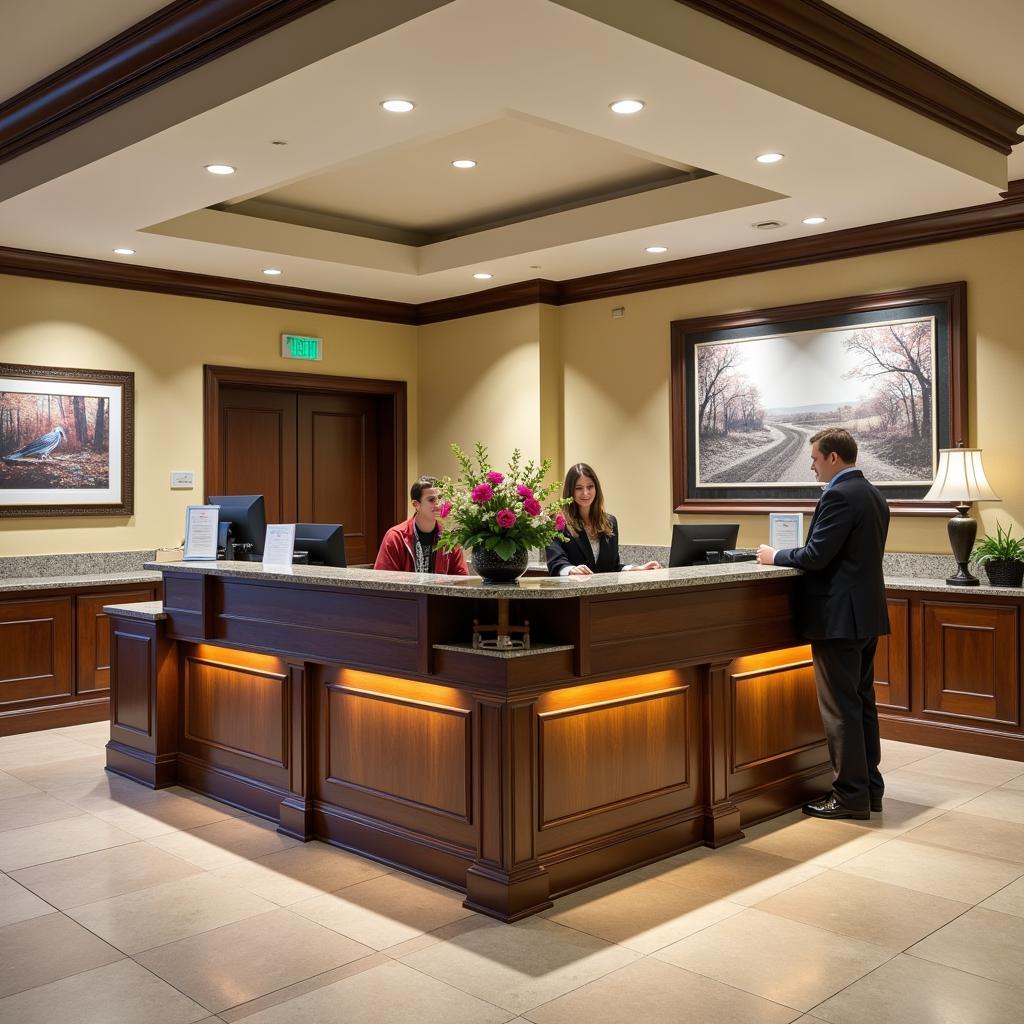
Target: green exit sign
[299, 346]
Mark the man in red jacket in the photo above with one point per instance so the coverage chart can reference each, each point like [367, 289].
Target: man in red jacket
[412, 546]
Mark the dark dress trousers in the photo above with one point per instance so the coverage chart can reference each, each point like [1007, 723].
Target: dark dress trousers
[565, 550]
[841, 609]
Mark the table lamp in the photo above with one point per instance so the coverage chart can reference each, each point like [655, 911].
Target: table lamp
[961, 479]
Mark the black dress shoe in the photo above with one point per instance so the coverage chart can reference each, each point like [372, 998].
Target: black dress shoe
[876, 804]
[830, 807]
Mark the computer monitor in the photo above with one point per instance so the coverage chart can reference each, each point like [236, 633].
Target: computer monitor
[325, 543]
[692, 542]
[242, 526]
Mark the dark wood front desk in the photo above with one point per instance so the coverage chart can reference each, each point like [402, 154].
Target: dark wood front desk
[653, 712]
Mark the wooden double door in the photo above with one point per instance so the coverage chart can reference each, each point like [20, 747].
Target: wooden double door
[315, 457]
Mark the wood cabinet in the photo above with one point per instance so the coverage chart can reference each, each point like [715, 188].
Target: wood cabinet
[55, 654]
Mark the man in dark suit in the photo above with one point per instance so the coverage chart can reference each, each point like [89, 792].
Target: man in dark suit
[841, 609]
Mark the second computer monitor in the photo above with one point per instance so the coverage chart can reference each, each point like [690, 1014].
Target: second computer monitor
[325, 543]
[691, 542]
[245, 516]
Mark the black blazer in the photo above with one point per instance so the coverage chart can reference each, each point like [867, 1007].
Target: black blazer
[565, 550]
[842, 594]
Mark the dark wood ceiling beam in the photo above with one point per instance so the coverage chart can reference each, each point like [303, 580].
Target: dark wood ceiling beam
[817, 32]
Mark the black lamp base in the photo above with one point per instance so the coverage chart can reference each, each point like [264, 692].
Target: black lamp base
[963, 578]
[962, 530]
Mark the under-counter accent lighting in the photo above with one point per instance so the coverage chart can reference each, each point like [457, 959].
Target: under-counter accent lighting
[656, 249]
[464, 165]
[627, 106]
[272, 272]
[814, 220]
[483, 276]
[398, 106]
[220, 168]
[125, 252]
[769, 158]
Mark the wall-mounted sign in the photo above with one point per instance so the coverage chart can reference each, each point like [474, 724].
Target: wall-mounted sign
[300, 346]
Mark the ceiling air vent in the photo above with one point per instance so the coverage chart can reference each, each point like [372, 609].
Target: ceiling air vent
[768, 225]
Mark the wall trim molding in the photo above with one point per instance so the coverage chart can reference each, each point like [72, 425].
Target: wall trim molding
[173, 41]
[819, 33]
[928, 229]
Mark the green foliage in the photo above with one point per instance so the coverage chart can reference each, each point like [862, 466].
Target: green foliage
[1003, 547]
[471, 518]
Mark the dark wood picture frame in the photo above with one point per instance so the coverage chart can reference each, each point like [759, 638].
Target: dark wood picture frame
[947, 302]
[54, 377]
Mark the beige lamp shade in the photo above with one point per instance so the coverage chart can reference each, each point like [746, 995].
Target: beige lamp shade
[961, 478]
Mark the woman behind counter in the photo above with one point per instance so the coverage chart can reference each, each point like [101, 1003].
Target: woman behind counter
[591, 542]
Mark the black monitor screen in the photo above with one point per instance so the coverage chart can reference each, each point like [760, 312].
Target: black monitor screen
[246, 518]
[691, 542]
[325, 543]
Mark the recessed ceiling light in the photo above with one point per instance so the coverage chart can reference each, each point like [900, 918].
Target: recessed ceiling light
[398, 106]
[220, 168]
[125, 252]
[272, 272]
[656, 248]
[483, 276]
[627, 106]
[814, 220]
[769, 158]
[464, 164]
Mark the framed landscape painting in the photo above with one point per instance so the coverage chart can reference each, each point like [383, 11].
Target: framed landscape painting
[750, 389]
[66, 441]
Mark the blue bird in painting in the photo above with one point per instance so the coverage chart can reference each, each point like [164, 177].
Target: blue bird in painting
[41, 446]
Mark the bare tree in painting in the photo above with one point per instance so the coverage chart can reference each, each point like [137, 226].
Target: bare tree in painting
[713, 368]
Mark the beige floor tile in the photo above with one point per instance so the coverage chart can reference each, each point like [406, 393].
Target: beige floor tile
[952, 764]
[225, 843]
[45, 949]
[91, 877]
[897, 817]
[121, 993]
[1017, 783]
[140, 920]
[982, 942]
[54, 840]
[896, 755]
[165, 812]
[18, 904]
[889, 916]
[103, 790]
[812, 840]
[912, 991]
[973, 833]
[33, 809]
[11, 786]
[361, 999]
[640, 913]
[952, 874]
[913, 787]
[1009, 900]
[735, 873]
[59, 776]
[655, 993]
[519, 966]
[252, 957]
[93, 734]
[41, 749]
[1004, 804]
[785, 961]
[385, 910]
[301, 873]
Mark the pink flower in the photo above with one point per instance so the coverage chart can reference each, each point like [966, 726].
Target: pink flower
[524, 492]
[506, 518]
[445, 508]
[495, 477]
[532, 506]
[559, 522]
[482, 493]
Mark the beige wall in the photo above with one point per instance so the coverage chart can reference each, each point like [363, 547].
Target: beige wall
[166, 340]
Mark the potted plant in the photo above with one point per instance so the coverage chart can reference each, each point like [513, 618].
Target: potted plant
[500, 517]
[1003, 558]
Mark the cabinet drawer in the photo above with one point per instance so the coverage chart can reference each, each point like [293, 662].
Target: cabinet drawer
[35, 650]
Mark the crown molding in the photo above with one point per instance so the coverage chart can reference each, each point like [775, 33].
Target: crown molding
[176, 39]
[521, 293]
[817, 32]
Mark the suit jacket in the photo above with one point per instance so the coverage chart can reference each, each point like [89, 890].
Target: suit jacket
[565, 550]
[842, 593]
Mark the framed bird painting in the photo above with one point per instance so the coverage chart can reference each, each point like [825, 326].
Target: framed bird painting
[67, 441]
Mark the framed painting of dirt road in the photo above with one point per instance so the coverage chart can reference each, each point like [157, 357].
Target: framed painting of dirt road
[66, 441]
[750, 389]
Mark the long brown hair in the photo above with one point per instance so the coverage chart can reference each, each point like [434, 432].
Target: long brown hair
[598, 517]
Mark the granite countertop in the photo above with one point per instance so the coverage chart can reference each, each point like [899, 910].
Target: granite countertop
[148, 610]
[15, 583]
[920, 583]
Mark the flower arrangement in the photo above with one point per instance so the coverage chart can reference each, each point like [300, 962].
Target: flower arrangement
[501, 512]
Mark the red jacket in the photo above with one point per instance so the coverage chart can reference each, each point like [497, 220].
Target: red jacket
[396, 553]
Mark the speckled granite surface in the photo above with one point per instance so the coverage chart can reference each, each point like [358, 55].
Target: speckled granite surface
[148, 610]
[917, 583]
[21, 583]
[88, 563]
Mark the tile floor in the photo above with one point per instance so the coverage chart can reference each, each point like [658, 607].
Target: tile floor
[120, 905]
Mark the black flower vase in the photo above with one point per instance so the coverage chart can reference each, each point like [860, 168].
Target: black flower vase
[494, 569]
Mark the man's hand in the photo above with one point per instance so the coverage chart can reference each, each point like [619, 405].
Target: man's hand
[581, 570]
[766, 555]
[646, 565]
